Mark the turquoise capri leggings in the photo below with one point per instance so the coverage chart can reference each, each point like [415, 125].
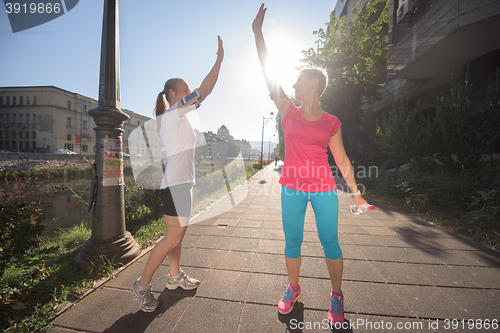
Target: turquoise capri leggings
[326, 212]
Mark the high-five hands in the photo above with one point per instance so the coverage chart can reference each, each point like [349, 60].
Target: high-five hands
[259, 19]
[220, 50]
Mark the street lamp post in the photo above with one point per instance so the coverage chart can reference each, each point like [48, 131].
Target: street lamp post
[264, 121]
[109, 237]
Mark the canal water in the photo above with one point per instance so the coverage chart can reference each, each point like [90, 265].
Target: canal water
[70, 206]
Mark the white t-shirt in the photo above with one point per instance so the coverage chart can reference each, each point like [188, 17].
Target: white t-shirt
[179, 142]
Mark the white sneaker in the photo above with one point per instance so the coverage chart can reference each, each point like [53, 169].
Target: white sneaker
[183, 281]
[146, 300]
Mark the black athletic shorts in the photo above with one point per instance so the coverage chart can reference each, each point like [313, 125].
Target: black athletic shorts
[177, 200]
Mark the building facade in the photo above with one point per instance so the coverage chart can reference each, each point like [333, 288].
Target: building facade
[132, 145]
[428, 40]
[44, 118]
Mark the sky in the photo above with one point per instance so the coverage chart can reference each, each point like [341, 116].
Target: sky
[161, 39]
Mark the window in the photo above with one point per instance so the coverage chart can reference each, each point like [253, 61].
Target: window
[26, 135]
[85, 108]
[138, 123]
[68, 146]
[85, 148]
[20, 119]
[33, 119]
[1, 118]
[68, 105]
[34, 135]
[20, 145]
[27, 100]
[6, 135]
[13, 100]
[68, 122]
[20, 136]
[7, 145]
[33, 144]
[84, 124]
[13, 119]
[1, 101]
[20, 100]
[27, 118]
[68, 137]
[1, 135]
[7, 100]
[13, 135]
[34, 100]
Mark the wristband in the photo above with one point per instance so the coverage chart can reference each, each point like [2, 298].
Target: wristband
[357, 193]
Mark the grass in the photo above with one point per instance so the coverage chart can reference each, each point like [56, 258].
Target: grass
[32, 293]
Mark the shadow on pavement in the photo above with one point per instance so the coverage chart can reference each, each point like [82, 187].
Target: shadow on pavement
[139, 321]
[293, 319]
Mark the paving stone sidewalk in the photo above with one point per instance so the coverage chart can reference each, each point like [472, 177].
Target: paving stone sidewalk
[400, 275]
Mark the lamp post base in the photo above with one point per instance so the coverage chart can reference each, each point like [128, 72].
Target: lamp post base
[122, 249]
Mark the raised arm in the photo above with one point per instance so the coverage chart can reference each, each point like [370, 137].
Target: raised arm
[276, 92]
[345, 166]
[209, 81]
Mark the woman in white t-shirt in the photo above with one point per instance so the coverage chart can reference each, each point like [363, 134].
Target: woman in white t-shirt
[179, 142]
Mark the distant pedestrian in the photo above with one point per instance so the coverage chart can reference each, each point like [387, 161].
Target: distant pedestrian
[275, 160]
[179, 142]
[307, 176]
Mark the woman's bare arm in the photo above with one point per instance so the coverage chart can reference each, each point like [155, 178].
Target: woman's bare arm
[276, 92]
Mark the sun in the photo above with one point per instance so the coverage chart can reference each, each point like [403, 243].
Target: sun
[285, 51]
[284, 45]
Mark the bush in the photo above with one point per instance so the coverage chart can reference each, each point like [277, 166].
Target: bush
[22, 209]
[142, 204]
[455, 131]
[404, 135]
[457, 137]
[466, 201]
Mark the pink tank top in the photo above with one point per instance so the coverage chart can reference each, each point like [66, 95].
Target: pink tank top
[306, 165]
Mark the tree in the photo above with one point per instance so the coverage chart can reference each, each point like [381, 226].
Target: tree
[281, 136]
[353, 54]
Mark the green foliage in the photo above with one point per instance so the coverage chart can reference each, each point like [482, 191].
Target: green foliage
[22, 215]
[142, 204]
[32, 290]
[457, 137]
[353, 53]
[281, 136]
[47, 173]
[404, 135]
[491, 117]
[455, 131]
[466, 201]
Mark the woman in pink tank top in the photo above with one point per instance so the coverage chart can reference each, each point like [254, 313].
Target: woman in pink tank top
[307, 177]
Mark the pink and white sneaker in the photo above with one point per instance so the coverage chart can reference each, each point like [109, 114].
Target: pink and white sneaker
[336, 313]
[289, 298]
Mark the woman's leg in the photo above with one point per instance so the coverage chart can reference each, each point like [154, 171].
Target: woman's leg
[335, 269]
[174, 256]
[178, 201]
[293, 210]
[326, 212]
[173, 238]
